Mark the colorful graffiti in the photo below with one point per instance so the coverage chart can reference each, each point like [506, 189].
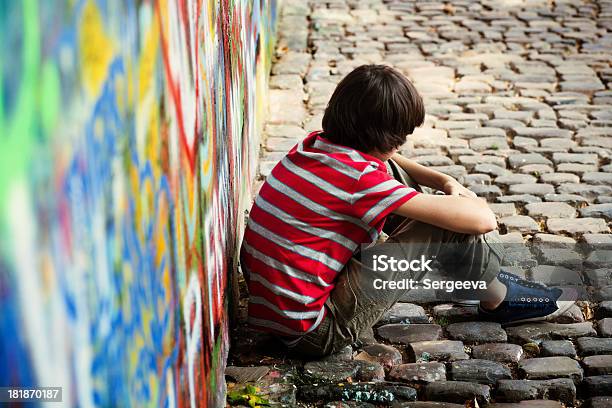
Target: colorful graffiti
[128, 136]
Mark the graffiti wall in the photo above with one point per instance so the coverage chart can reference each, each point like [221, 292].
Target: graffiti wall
[128, 136]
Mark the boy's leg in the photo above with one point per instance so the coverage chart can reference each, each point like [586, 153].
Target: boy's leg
[355, 305]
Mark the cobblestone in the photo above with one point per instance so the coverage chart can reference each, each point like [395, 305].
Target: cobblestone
[480, 371]
[331, 370]
[404, 313]
[597, 178]
[385, 355]
[545, 368]
[478, 133]
[598, 402]
[503, 210]
[575, 158]
[476, 179]
[560, 389]
[598, 385]
[537, 189]
[576, 226]
[537, 332]
[550, 210]
[559, 178]
[518, 109]
[489, 143]
[598, 365]
[554, 241]
[419, 372]
[563, 348]
[502, 352]
[605, 327]
[454, 311]
[489, 192]
[440, 350]
[285, 109]
[523, 159]
[520, 223]
[490, 169]
[457, 391]
[409, 333]
[588, 191]
[571, 199]
[365, 392]
[536, 169]
[590, 346]
[522, 199]
[598, 259]
[599, 277]
[512, 179]
[476, 332]
[558, 275]
[597, 210]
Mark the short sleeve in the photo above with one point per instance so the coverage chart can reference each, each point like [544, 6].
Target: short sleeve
[377, 194]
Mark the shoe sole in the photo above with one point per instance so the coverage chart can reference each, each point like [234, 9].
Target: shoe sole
[467, 302]
[562, 307]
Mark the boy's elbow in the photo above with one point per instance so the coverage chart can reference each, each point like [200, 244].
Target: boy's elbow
[487, 227]
[487, 223]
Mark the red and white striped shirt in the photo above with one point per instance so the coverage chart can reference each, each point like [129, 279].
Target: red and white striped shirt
[320, 202]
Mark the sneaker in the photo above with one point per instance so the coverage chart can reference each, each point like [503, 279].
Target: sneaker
[529, 301]
[503, 276]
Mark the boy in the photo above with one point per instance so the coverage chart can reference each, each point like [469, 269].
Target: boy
[332, 193]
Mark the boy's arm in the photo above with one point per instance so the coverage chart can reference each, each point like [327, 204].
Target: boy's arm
[431, 178]
[452, 212]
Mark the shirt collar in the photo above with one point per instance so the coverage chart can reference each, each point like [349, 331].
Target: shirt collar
[341, 149]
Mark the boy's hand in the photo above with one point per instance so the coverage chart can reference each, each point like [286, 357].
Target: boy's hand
[453, 187]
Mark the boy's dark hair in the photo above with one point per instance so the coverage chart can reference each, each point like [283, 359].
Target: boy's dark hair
[374, 108]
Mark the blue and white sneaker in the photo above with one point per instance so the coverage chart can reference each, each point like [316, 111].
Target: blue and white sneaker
[529, 301]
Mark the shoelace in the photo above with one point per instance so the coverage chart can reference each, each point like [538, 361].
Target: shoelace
[532, 301]
[523, 282]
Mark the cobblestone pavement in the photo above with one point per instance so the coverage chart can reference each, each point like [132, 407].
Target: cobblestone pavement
[518, 99]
